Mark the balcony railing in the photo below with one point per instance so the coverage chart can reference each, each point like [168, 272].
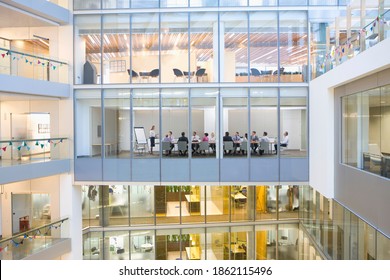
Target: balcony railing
[34, 240]
[22, 151]
[22, 64]
[360, 40]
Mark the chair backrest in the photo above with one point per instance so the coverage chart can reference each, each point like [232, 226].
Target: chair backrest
[203, 146]
[244, 146]
[255, 72]
[264, 146]
[133, 73]
[166, 146]
[182, 146]
[200, 72]
[155, 73]
[228, 145]
[177, 72]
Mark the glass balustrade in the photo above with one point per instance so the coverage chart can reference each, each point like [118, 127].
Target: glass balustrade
[32, 241]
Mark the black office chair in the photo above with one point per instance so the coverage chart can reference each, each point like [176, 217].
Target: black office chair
[178, 73]
[200, 73]
[255, 72]
[133, 73]
[154, 73]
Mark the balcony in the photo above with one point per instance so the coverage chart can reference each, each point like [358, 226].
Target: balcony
[43, 242]
[25, 159]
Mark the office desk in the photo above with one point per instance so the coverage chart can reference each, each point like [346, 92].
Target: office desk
[193, 253]
[192, 203]
[236, 252]
[238, 199]
[147, 247]
[108, 148]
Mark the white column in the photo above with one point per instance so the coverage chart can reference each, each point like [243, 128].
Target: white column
[218, 49]
[70, 206]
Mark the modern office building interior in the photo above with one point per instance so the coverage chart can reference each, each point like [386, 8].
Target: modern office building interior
[194, 130]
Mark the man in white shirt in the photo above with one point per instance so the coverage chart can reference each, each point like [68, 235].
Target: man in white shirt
[283, 143]
[195, 142]
[264, 138]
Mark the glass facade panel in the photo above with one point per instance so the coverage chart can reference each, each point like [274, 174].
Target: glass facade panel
[142, 205]
[365, 131]
[234, 61]
[241, 245]
[292, 2]
[265, 242]
[146, 120]
[204, 47]
[293, 122]
[293, 47]
[118, 205]
[193, 210]
[174, 48]
[88, 112]
[116, 49]
[169, 243]
[142, 245]
[287, 242]
[196, 249]
[88, 40]
[116, 4]
[117, 123]
[145, 44]
[263, 2]
[203, 3]
[116, 245]
[234, 120]
[204, 121]
[145, 4]
[175, 120]
[265, 203]
[86, 4]
[264, 121]
[217, 204]
[216, 239]
[242, 203]
[382, 247]
[168, 201]
[263, 52]
[288, 202]
[173, 3]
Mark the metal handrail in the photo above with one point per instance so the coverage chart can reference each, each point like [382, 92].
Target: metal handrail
[34, 139]
[31, 230]
[34, 56]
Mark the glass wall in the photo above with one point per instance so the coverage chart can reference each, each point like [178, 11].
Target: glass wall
[365, 136]
[88, 112]
[123, 205]
[293, 46]
[205, 121]
[195, 47]
[339, 233]
[293, 123]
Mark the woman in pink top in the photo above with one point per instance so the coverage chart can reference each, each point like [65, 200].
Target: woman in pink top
[205, 137]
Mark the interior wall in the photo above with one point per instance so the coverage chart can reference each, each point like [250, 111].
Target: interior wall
[49, 185]
[124, 130]
[290, 121]
[237, 121]
[111, 127]
[264, 120]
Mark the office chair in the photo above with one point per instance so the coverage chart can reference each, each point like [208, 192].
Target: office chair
[178, 73]
[154, 73]
[133, 74]
[255, 72]
[200, 73]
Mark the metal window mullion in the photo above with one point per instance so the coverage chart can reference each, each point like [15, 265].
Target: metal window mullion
[248, 45]
[278, 45]
[189, 45]
[159, 47]
[101, 49]
[131, 48]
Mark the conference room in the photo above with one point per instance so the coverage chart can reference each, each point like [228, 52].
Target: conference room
[129, 116]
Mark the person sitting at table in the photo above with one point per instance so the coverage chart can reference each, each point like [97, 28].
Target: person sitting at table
[264, 138]
[167, 139]
[212, 141]
[195, 142]
[172, 140]
[205, 138]
[283, 143]
[227, 138]
[237, 141]
[183, 138]
[254, 142]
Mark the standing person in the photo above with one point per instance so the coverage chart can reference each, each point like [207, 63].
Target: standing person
[152, 137]
[283, 143]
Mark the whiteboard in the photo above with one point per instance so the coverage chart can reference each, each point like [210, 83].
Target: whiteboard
[140, 135]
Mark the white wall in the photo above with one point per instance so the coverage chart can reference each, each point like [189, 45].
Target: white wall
[321, 104]
[48, 185]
